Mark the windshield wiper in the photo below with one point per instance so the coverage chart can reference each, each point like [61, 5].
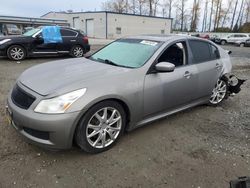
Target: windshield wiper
[107, 61]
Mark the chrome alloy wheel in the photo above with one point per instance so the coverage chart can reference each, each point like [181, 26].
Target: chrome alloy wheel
[17, 53]
[104, 127]
[219, 92]
[78, 51]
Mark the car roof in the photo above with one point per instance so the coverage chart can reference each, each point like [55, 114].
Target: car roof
[163, 38]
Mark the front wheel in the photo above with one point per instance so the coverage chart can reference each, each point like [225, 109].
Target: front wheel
[16, 53]
[220, 92]
[101, 127]
[77, 51]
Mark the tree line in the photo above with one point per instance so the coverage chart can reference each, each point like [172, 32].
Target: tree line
[191, 15]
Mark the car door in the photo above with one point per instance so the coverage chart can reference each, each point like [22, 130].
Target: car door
[69, 40]
[39, 47]
[231, 38]
[170, 90]
[206, 57]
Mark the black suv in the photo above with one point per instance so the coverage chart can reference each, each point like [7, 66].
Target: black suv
[31, 43]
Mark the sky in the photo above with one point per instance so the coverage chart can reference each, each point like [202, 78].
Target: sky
[36, 8]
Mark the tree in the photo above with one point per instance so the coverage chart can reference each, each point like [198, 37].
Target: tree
[169, 5]
[120, 6]
[211, 15]
[181, 13]
[195, 15]
[247, 10]
[218, 15]
[204, 23]
[225, 16]
[232, 22]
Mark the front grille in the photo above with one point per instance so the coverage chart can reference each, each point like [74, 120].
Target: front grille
[21, 98]
[38, 134]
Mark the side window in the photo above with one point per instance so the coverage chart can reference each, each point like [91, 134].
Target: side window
[68, 33]
[200, 51]
[215, 54]
[176, 54]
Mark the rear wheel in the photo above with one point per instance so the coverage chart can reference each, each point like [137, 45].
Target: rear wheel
[220, 92]
[101, 127]
[223, 42]
[242, 45]
[16, 53]
[77, 51]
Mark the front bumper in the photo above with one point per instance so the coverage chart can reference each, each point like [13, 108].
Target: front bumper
[46, 130]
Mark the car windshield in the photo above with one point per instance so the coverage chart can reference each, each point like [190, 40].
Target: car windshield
[31, 32]
[131, 53]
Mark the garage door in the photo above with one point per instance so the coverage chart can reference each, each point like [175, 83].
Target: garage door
[90, 28]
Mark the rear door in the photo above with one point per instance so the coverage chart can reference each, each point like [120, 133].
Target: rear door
[69, 40]
[206, 58]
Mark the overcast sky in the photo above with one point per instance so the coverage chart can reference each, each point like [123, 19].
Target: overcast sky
[36, 8]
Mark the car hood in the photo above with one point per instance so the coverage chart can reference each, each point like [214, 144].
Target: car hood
[67, 75]
[13, 37]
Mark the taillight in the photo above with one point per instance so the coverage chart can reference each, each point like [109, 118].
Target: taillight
[85, 39]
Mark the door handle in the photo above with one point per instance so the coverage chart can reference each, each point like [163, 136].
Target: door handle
[187, 74]
[218, 66]
[72, 40]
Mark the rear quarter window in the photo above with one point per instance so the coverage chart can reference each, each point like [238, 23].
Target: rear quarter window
[68, 33]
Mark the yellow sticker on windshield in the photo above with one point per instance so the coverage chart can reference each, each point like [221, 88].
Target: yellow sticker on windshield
[147, 42]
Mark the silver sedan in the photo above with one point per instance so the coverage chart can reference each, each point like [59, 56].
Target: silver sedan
[127, 84]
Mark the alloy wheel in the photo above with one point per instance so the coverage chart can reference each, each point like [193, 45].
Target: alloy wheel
[219, 92]
[78, 51]
[17, 53]
[104, 127]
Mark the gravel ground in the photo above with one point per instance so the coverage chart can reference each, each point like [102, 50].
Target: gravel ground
[203, 147]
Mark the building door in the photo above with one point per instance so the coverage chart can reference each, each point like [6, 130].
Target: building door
[77, 23]
[90, 28]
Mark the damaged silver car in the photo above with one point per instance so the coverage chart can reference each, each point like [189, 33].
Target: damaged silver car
[126, 84]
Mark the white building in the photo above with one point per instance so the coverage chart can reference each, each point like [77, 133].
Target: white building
[112, 25]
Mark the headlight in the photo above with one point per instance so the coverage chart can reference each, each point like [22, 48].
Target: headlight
[59, 104]
[4, 41]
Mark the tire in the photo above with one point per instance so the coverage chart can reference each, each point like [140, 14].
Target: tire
[16, 53]
[242, 45]
[96, 132]
[223, 42]
[77, 51]
[220, 92]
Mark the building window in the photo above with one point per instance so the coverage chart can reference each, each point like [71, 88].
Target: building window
[163, 32]
[118, 30]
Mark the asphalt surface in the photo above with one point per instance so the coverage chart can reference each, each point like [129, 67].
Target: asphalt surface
[203, 147]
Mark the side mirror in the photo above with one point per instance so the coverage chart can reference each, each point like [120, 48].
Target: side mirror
[39, 39]
[164, 67]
